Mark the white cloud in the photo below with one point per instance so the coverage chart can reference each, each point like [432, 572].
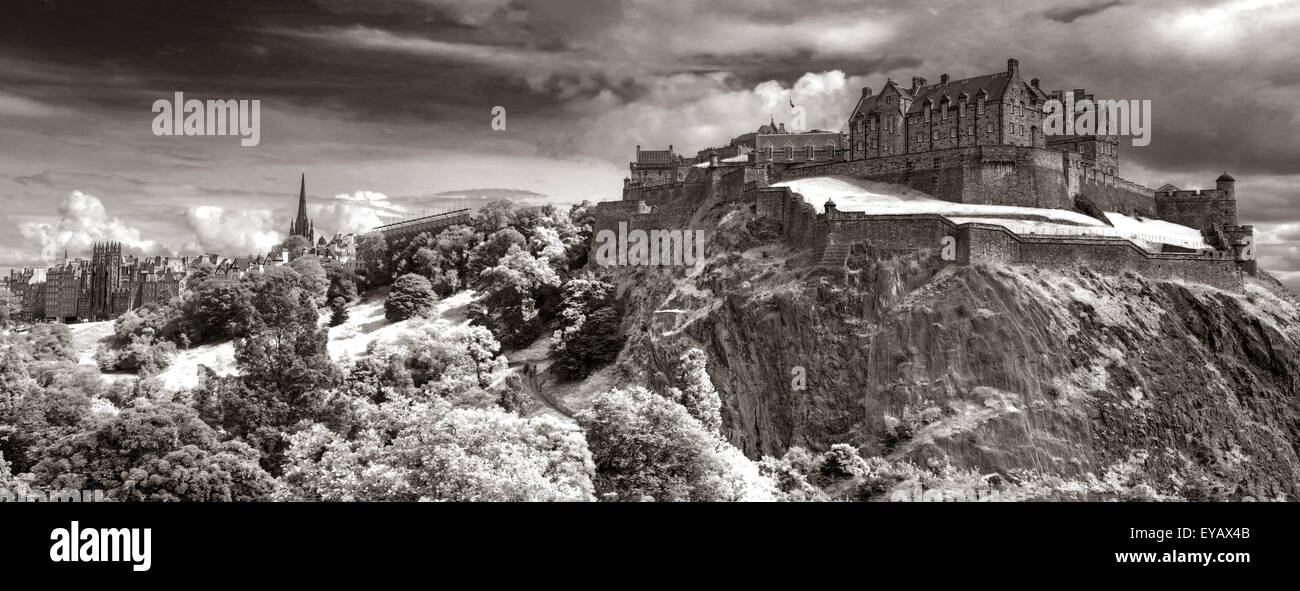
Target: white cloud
[695, 111]
[232, 233]
[83, 220]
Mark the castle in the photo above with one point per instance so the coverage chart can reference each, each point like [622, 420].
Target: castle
[978, 142]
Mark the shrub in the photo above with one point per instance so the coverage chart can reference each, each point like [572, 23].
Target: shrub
[412, 295]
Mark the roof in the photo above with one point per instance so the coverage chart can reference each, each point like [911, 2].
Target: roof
[993, 85]
[1224, 177]
[656, 157]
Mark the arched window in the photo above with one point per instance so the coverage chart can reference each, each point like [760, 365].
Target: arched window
[830, 152]
[769, 152]
[808, 152]
[789, 152]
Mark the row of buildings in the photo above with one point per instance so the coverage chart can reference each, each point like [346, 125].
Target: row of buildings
[111, 282]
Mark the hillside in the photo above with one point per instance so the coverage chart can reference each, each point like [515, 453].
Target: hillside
[1086, 385]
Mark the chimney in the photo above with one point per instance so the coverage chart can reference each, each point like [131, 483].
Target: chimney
[670, 149]
[917, 82]
[866, 91]
[1013, 67]
[1034, 83]
[780, 128]
[943, 79]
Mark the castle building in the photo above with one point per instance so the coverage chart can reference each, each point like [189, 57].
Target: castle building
[301, 224]
[993, 109]
[976, 141]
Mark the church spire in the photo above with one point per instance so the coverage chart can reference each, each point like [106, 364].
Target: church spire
[301, 225]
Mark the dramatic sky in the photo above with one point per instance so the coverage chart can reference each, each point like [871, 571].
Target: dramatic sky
[386, 104]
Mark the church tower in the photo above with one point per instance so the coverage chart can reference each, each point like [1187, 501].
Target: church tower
[301, 226]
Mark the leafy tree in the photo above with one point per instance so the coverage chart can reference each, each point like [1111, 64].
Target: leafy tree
[50, 342]
[490, 252]
[695, 390]
[10, 308]
[200, 272]
[143, 354]
[509, 307]
[295, 245]
[338, 311]
[645, 445]
[154, 452]
[218, 310]
[492, 217]
[342, 282]
[590, 334]
[373, 260]
[411, 295]
[313, 276]
[431, 451]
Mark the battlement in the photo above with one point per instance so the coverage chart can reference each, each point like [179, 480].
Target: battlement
[1193, 195]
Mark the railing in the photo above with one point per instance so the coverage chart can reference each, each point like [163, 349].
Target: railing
[1030, 230]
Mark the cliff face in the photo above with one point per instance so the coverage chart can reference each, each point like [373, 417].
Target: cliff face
[1070, 375]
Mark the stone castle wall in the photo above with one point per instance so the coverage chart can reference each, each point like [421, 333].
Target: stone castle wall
[995, 175]
[1005, 175]
[1196, 209]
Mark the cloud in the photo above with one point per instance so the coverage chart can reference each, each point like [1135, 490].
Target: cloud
[1069, 14]
[83, 220]
[232, 233]
[354, 213]
[695, 111]
[17, 106]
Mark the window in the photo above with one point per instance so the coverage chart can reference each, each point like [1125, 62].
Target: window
[920, 138]
[979, 106]
[1022, 129]
[927, 113]
[874, 143]
[970, 130]
[943, 108]
[769, 152]
[989, 129]
[872, 125]
[952, 132]
[809, 153]
[934, 135]
[830, 152]
[789, 152]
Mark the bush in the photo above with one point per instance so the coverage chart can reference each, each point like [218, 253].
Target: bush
[412, 295]
[144, 355]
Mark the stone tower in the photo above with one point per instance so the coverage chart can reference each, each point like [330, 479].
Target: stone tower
[301, 225]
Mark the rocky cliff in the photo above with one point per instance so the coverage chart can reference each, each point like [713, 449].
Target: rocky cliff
[1080, 385]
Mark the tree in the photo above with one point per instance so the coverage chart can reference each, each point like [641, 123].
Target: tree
[218, 310]
[338, 311]
[695, 390]
[10, 307]
[431, 451]
[154, 452]
[200, 272]
[313, 276]
[411, 295]
[490, 252]
[342, 282]
[509, 307]
[295, 245]
[590, 332]
[373, 260]
[645, 445]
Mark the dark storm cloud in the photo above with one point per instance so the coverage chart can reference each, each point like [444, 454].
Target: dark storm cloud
[1069, 14]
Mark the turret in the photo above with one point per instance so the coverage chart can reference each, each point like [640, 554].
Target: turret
[1226, 183]
[1013, 67]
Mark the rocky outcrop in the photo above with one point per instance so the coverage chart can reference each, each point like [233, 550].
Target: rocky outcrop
[1181, 387]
